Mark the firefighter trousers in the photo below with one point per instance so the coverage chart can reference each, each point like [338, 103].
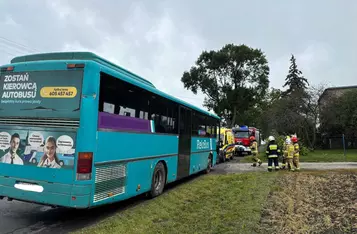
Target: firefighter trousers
[271, 160]
[289, 162]
[256, 159]
[296, 162]
[283, 164]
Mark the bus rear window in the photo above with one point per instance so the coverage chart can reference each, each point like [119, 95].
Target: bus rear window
[40, 93]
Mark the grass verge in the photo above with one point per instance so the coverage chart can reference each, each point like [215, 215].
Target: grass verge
[317, 156]
[209, 204]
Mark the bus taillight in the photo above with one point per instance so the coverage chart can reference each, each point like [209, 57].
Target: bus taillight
[73, 65]
[84, 165]
[3, 69]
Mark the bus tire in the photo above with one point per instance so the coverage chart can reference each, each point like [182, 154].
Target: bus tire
[209, 164]
[158, 180]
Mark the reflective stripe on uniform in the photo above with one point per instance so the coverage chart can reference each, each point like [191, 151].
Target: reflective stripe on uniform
[273, 147]
[272, 156]
[270, 167]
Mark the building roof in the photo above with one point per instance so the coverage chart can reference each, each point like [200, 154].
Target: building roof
[334, 89]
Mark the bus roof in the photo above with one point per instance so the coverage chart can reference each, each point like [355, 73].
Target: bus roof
[79, 56]
[93, 57]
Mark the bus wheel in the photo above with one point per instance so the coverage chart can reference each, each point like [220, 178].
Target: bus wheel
[158, 180]
[221, 157]
[209, 164]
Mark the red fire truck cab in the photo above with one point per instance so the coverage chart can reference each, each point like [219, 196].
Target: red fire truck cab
[241, 138]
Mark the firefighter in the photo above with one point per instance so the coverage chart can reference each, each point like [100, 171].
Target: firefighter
[273, 153]
[290, 155]
[296, 157]
[255, 152]
[285, 152]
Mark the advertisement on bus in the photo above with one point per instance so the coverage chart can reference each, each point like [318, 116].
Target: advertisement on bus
[40, 93]
[37, 148]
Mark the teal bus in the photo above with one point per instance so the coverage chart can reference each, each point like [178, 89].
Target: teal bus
[78, 131]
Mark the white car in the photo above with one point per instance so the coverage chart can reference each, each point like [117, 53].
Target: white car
[242, 150]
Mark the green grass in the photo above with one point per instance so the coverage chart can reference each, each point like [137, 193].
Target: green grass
[209, 204]
[318, 156]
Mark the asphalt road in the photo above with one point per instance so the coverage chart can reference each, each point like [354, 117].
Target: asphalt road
[19, 217]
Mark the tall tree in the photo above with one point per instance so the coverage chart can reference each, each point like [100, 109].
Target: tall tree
[311, 113]
[295, 81]
[233, 79]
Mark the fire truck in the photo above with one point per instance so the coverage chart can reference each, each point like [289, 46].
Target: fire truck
[242, 134]
[256, 133]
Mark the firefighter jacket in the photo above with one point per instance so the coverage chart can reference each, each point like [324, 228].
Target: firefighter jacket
[291, 150]
[273, 150]
[254, 147]
[296, 150]
[285, 151]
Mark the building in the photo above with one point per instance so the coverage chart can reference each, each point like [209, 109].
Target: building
[333, 141]
[333, 92]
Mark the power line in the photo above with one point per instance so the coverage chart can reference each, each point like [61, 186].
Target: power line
[12, 48]
[7, 52]
[18, 44]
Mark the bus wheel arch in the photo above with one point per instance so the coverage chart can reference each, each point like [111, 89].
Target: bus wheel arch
[166, 169]
[159, 178]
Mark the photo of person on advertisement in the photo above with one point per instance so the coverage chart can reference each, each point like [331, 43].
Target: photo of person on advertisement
[50, 159]
[11, 157]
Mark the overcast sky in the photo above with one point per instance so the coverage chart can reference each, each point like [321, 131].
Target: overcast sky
[160, 39]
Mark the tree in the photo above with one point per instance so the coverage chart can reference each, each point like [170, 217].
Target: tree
[233, 80]
[312, 113]
[295, 81]
[339, 116]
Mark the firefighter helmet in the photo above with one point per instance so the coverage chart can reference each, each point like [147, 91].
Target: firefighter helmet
[252, 138]
[294, 139]
[271, 138]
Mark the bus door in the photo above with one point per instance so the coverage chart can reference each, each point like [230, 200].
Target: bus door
[184, 149]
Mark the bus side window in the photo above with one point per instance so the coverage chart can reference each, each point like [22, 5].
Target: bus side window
[164, 114]
[121, 98]
[199, 126]
[128, 100]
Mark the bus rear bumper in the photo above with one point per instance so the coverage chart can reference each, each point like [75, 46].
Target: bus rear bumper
[62, 195]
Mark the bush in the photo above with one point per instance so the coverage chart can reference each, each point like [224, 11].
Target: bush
[304, 150]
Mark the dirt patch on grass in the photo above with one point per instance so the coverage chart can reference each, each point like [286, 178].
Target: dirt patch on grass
[312, 202]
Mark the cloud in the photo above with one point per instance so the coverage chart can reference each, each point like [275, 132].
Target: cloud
[154, 48]
[309, 60]
[159, 40]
